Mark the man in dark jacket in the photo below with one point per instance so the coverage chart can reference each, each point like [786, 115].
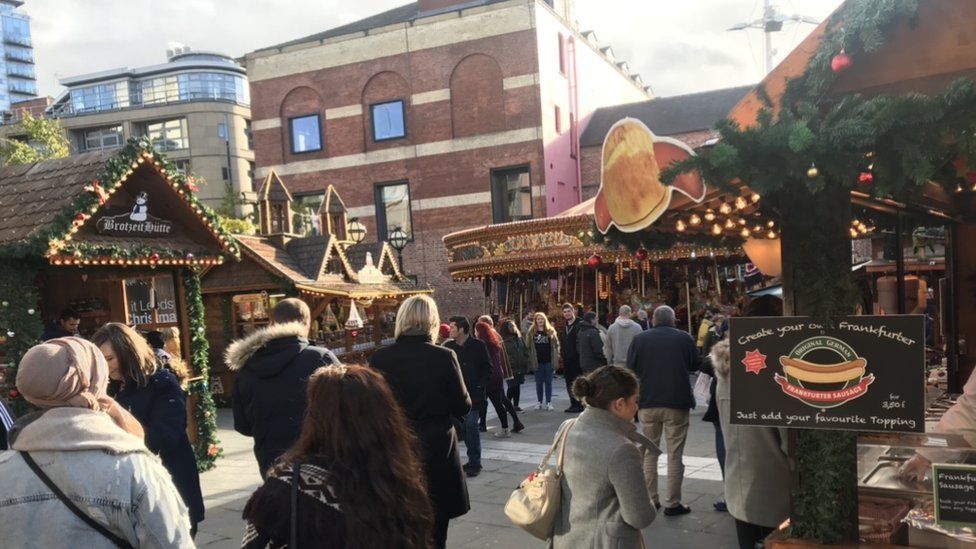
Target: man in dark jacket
[569, 348]
[273, 366]
[65, 326]
[591, 355]
[662, 358]
[472, 354]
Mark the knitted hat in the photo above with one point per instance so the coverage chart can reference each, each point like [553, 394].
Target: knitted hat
[67, 371]
[445, 331]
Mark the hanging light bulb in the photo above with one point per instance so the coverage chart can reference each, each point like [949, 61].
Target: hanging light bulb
[695, 220]
[716, 229]
[710, 215]
[680, 226]
[729, 224]
[771, 234]
[740, 203]
[725, 208]
[754, 198]
[742, 221]
[853, 233]
[770, 223]
[757, 228]
[745, 232]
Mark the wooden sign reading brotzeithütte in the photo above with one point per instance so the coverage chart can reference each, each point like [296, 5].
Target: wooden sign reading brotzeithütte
[864, 373]
[136, 222]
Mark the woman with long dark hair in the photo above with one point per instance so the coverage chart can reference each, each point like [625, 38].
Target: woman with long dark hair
[499, 373]
[357, 477]
[518, 359]
[154, 396]
[428, 384]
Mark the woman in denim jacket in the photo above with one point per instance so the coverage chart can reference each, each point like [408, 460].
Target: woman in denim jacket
[91, 449]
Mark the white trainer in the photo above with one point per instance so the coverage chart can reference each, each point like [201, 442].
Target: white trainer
[549, 406]
[538, 406]
[502, 434]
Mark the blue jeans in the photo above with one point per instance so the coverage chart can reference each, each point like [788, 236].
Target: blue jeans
[543, 377]
[472, 437]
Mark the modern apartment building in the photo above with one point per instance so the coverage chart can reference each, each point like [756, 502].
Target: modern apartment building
[195, 108]
[436, 116]
[17, 80]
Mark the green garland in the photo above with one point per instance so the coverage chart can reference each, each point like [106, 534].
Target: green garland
[20, 323]
[207, 447]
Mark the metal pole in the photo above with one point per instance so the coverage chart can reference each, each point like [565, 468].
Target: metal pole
[688, 299]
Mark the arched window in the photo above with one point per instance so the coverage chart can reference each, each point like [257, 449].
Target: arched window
[477, 96]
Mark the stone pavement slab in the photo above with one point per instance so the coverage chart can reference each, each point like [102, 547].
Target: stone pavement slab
[506, 462]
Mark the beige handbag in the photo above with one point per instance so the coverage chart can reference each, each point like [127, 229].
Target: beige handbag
[533, 506]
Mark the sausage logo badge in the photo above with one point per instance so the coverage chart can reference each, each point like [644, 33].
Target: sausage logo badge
[809, 378]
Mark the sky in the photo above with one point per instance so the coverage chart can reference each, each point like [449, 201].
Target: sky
[677, 46]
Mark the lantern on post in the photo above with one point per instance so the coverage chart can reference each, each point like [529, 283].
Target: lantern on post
[355, 230]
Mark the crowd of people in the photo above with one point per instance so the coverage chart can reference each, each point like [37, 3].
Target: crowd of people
[339, 446]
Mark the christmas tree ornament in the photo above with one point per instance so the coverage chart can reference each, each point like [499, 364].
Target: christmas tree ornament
[813, 172]
[841, 62]
[865, 179]
[594, 261]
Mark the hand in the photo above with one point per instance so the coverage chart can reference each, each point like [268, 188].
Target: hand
[914, 470]
[121, 417]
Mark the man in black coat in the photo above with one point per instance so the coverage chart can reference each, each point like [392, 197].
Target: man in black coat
[472, 354]
[663, 357]
[65, 326]
[591, 355]
[273, 366]
[569, 348]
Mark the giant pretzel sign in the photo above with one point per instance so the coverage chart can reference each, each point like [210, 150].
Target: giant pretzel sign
[631, 195]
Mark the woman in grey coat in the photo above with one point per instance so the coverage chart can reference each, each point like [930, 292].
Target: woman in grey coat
[757, 469]
[604, 499]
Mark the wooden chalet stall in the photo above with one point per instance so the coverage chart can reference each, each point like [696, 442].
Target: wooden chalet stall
[118, 237]
[353, 290]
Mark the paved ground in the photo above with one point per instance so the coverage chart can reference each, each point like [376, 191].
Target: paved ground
[506, 462]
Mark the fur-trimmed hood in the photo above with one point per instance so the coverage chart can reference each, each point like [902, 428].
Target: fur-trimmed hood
[720, 358]
[256, 345]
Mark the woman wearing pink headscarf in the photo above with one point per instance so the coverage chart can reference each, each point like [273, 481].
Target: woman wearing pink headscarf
[79, 473]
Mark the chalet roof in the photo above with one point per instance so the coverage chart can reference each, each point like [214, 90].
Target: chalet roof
[667, 115]
[309, 253]
[274, 189]
[32, 195]
[47, 208]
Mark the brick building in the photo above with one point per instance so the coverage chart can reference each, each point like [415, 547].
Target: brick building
[436, 116]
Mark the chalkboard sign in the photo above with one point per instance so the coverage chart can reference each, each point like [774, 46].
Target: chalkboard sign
[955, 494]
[865, 373]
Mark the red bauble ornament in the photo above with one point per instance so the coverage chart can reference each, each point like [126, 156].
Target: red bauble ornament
[354, 334]
[80, 217]
[641, 254]
[866, 179]
[841, 62]
[594, 261]
[154, 257]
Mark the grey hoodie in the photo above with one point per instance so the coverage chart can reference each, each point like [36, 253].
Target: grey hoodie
[619, 337]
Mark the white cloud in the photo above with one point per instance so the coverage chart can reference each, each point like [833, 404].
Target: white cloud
[677, 46]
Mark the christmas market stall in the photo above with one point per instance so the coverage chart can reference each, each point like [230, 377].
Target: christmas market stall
[119, 236]
[867, 127]
[352, 288]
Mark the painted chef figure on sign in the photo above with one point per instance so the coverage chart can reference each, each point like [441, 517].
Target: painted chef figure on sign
[140, 210]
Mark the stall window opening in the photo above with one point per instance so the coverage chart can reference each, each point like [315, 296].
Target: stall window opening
[393, 209]
[151, 301]
[511, 194]
[306, 133]
[389, 120]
